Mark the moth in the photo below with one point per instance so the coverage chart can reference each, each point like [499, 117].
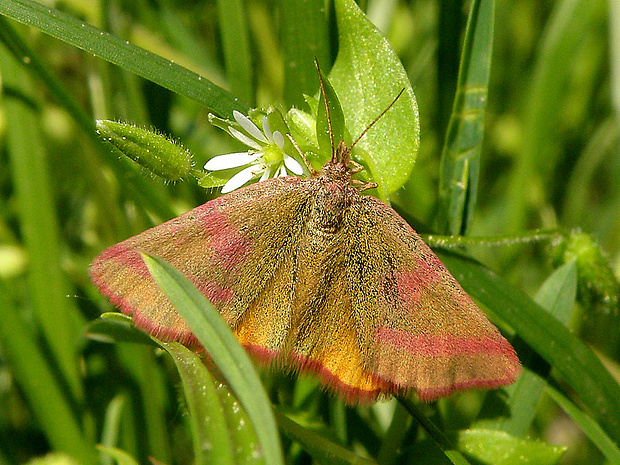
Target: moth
[315, 276]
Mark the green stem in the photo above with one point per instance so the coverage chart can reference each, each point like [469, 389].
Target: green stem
[435, 433]
[435, 240]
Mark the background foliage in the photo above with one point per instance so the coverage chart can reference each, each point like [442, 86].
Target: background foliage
[549, 159]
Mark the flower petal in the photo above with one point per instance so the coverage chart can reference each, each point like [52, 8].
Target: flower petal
[243, 138]
[267, 128]
[239, 179]
[230, 160]
[265, 175]
[278, 138]
[281, 172]
[293, 165]
[249, 126]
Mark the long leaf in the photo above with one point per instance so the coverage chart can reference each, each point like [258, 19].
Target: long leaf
[590, 427]
[221, 344]
[577, 364]
[212, 440]
[460, 157]
[115, 50]
[557, 296]
[31, 369]
[58, 318]
[304, 37]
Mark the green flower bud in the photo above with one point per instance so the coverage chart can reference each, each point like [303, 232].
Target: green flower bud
[598, 287]
[155, 152]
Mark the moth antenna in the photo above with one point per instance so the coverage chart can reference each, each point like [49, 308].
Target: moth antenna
[329, 118]
[312, 171]
[376, 119]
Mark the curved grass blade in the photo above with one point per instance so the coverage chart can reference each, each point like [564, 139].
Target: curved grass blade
[557, 296]
[590, 427]
[119, 52]
[577, 364]
[212, 422]
[222, 345]
[460, 157]
[320, 448]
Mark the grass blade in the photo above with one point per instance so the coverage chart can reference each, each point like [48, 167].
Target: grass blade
[211, 438]
[49, 403]
[304, 37]
[460, 157]
[223, 347]
[119, 52]
[236, 48]
[58, 318]
[557, 296]
[577, 364]
[590, 427]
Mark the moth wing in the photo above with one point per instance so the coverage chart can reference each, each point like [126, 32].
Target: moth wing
[230, 248]
[416, 326]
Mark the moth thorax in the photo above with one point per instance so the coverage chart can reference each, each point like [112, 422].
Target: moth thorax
[330, 203]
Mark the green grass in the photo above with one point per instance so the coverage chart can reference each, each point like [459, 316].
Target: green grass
[518, 131]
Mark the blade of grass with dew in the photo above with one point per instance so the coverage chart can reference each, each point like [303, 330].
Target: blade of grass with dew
[48, 401]
[460, 157]
[304, 37]
[119, 52]
[213, 425]
[222, 345]
[557, 296]
[219, 427]
[236, 48]
[58, 318]
[500, 448]
[576, 363]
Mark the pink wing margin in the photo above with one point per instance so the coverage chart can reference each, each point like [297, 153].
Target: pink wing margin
[429, 335]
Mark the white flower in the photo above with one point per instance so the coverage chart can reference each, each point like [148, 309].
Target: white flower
[266, 157]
